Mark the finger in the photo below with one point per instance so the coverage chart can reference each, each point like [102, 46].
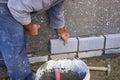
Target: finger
[66, 37]
[65, 42]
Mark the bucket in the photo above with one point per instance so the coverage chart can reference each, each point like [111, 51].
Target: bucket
[74, 69]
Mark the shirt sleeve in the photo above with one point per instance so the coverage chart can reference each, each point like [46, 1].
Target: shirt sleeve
[23, 17]
[56, 15]
[20, 12]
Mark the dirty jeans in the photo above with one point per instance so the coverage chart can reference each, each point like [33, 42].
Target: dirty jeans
[12, 46]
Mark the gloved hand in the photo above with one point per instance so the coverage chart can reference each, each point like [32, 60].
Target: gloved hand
[63, 35]
[31, 29]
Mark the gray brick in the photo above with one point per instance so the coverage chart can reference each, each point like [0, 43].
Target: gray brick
[112, 51]
[90, 54]
[38, 59]
[112, 41]
[91, 43]
[57, 46]
[63, 56]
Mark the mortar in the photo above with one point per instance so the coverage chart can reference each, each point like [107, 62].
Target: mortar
[74, 69]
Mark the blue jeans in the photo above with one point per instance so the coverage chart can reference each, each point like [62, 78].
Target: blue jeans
[12, 46]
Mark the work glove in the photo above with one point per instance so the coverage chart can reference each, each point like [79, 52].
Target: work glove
[63, 35]
[31, 29]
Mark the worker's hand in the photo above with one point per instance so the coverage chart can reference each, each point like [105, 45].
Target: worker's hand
[31, 29]
[64, 36]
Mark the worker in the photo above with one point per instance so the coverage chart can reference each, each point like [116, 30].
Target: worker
[15, 18]
[21, 11]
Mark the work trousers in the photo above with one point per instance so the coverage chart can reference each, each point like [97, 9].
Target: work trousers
[12, 46]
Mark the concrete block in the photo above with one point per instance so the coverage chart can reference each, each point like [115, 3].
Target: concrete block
[112, 41]
[112, 51]
[38, 59]
[63, 56]
[90, 54]
[91, 43]
[57, 46]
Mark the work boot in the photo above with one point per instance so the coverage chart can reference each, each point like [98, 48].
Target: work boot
[31, 29]
[63, 34]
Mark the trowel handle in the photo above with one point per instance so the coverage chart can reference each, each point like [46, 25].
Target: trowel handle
[57, 74]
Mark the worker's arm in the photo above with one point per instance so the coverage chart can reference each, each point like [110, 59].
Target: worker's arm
[21, 11]
[24, 18]
[57, 22]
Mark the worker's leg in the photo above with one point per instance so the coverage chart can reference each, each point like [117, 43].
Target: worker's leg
[12, 46]
[56, 15]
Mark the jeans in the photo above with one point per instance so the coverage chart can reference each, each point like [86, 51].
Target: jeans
[12, 46]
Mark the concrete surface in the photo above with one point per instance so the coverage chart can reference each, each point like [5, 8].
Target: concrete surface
[92, 17]
[83, 18]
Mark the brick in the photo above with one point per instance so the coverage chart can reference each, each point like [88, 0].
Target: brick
[38, 59]
[90, 54]
[112, 41]
[57, 46]
[63, 56]
[91, 43]
[112, 51]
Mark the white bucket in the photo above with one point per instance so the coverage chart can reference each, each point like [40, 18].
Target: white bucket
[65, 65]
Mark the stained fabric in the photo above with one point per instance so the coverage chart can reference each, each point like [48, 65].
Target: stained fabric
[12, 46]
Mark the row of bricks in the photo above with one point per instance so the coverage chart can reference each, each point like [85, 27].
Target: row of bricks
[87, 47]
[79, 44]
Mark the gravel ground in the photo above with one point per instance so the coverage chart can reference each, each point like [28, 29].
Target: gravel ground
[101, 75]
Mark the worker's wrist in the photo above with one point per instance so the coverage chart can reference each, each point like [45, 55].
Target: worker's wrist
[28, 25]
[61, 30]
